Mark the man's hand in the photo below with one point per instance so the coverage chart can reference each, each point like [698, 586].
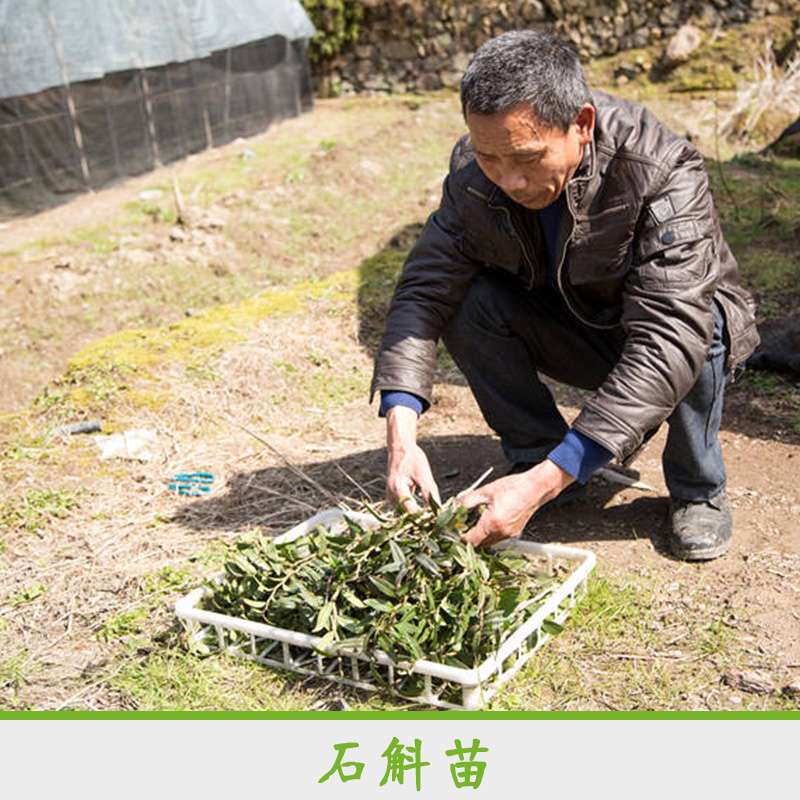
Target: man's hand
[408, 468]
[511, 501]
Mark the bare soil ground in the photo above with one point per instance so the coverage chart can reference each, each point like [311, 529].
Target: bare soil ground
[94, 552]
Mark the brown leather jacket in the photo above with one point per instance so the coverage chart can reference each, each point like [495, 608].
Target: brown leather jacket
[641, 247]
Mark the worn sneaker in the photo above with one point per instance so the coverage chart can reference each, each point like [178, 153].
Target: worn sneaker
[700, 530]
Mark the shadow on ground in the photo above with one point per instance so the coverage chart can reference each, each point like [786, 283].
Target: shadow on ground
[275, 498]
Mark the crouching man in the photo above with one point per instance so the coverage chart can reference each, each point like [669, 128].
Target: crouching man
[576, 237]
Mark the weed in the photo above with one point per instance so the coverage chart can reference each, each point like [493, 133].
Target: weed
[150, 211]
[294, 176]
[23, 449]
[714, 638]
[319, 359]
[37, 509]
[618, 653]
[168, 580]
[27, 595]
[125, 624]
[13, 671]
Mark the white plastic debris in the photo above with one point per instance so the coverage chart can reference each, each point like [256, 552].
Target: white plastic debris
[135, 445]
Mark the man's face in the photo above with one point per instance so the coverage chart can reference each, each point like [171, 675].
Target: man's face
[528, 160]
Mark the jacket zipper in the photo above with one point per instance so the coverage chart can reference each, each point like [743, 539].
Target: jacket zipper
[525, 252]
[559, 272]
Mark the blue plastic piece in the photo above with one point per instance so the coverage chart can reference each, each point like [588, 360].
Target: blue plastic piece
[192, 484]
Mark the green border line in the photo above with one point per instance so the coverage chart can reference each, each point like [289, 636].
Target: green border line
[347, 716]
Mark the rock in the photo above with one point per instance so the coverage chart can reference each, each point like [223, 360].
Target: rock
[792, 690]
[534, 11]
[708, 16]
[209, 222]
[752, 682]
[398, 50]
[627, 70]
[430, 82]
[682, 45]
[788, 142]
[670, 15]
[460, 61]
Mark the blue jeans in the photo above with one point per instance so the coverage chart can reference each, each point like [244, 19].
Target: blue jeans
[502, 336]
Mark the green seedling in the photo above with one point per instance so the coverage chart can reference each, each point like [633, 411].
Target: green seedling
[410, 588]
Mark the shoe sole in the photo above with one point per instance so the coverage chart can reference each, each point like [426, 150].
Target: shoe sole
[707, 554]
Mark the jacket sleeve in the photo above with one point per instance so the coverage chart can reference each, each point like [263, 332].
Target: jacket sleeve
[667, 314]
[435, 278]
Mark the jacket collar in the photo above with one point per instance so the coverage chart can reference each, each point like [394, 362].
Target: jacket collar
[584, 174]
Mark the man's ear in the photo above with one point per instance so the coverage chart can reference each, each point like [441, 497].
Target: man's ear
[585, 123]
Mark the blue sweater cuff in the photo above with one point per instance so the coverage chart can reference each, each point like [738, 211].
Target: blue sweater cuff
[391, 399]
[579, 455]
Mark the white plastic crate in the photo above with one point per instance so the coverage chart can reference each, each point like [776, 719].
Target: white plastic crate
[443, 685]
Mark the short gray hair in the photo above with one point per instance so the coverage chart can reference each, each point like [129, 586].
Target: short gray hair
[526, 67]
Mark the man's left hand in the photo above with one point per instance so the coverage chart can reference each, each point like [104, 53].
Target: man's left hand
[511, 501]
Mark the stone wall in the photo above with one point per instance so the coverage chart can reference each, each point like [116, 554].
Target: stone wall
[410, 45]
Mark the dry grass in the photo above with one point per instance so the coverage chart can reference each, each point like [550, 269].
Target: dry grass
[768, 102]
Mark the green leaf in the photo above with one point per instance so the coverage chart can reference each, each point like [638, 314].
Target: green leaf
[552, 627]
[325, 644]
[428, 564]
[398, 556]
[324, 617]
[352, 598]
[384, 587]
[444, 518]
[378, 605]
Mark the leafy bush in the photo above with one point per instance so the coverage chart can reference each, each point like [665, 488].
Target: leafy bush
[337, 23]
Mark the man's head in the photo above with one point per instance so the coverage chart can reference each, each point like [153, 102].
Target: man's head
[528, 108]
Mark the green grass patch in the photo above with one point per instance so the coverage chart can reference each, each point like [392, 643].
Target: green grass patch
[169, 580]
[37, 509]
[13, 671]
[168, 680]
[618, 652]
[779, 392]
[112, 368]
[100, 239]
[129, 623]
[759, 205]
[138, 211]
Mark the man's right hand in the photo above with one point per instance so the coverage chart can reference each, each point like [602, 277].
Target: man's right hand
[408, 468]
